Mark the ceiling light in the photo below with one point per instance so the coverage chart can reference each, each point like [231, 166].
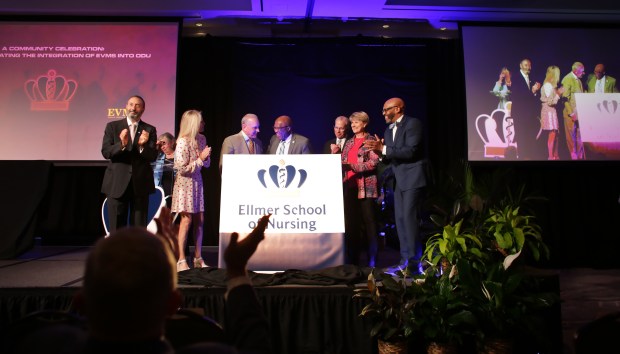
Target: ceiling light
[443, 29]
[199, 24]
[386, 26]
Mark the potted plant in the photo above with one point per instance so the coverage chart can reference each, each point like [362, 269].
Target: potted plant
[443, 313]
[390, 309]
[508, 299]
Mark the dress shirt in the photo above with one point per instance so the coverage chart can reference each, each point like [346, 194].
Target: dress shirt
[393, 126]
[283, 147]
[527, 79]
[340, 143]
[600, 85]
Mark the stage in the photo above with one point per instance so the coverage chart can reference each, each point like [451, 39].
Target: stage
[309, 312]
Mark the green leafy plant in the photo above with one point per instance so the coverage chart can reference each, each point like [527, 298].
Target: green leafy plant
[507, 302]
[509, 232]
[390, 306]
[443, 311]
[507, 299]
[454, 242]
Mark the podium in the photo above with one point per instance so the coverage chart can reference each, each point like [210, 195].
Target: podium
[304, 195]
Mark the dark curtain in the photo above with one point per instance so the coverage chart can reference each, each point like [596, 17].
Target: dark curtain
[24, 184]
[313, 81]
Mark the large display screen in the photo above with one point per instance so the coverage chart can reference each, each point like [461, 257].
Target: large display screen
[575, 116]
[63, 81]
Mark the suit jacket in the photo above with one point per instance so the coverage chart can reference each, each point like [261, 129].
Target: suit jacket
[235, 144]
[571, 86]
[129, 165]
[610, 84]
[405, 153]
[364, 168]
[525, 111]
[327, 147]
[299, 145]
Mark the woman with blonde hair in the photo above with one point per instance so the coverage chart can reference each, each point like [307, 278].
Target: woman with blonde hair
[190, 156]
[502, 88]
[549, 95]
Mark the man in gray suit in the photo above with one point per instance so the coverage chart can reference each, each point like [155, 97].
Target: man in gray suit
[403, 149]
[285, 142]
[244, 142]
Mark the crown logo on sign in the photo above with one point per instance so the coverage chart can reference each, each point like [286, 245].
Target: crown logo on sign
[282, 175]
[51, 92]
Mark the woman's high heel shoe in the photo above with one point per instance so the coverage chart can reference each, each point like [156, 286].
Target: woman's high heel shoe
[199, 263]
[182, 265]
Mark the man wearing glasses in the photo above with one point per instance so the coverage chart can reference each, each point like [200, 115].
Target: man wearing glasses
[335, 145]
[285, 142]
[402, 148]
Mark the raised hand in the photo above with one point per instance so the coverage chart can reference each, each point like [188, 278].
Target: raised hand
[168, 231]
[144, 137]
[124, 136]
[374, 145]
[205, 153]
[238, 253]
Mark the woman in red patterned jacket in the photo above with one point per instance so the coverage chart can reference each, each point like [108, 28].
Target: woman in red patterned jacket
[360, 192]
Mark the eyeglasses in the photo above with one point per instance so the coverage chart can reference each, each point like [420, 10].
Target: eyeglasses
[279, 128]
[339, 129]
[387, 109]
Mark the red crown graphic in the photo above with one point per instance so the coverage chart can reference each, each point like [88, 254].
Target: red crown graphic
[51, 92]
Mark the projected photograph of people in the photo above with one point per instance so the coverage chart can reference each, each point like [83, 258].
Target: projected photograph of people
[541, 93]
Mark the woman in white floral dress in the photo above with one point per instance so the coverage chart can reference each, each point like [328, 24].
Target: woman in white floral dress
[190, 156]
[549, 95]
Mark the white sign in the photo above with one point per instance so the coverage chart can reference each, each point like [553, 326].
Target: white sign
[304, 195]
[599, 116]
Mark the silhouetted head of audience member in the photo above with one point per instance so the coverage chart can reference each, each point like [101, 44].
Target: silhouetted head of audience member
[130, 286]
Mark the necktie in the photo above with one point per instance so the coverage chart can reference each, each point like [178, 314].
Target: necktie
[132, 131]
[527, 81]
[251, 146]
[281, 148]
[599, 86]
[339, 143]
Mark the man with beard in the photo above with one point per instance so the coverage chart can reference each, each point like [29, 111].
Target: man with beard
[130, 146]
[525, 111]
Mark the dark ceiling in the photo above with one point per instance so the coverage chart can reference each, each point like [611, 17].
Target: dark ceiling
[328, 18]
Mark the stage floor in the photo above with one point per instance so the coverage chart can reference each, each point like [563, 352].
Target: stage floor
[585, 294]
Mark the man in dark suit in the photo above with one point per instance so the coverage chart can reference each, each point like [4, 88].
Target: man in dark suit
[403, 150]
[285, 142]
[244, 142]
[130, 146]
[335, 145]
[525, 111]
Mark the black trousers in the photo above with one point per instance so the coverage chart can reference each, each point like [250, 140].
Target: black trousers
[128, 209]
[360, 217]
